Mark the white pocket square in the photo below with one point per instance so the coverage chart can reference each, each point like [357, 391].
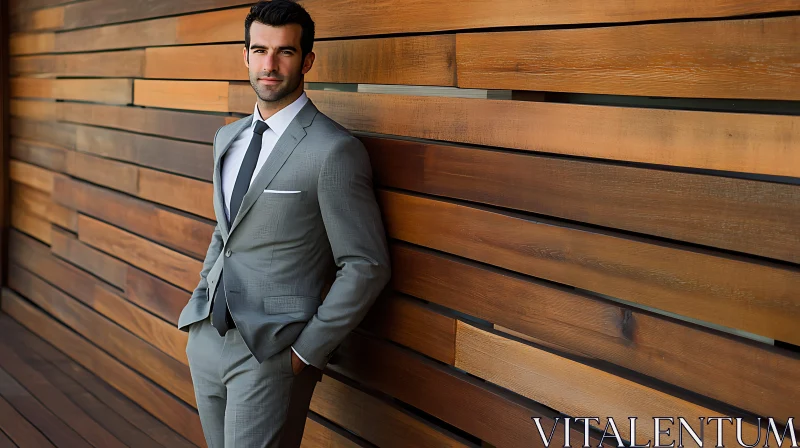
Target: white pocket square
[280, 191]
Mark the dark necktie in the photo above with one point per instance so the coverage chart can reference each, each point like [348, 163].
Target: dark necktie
[220, 314]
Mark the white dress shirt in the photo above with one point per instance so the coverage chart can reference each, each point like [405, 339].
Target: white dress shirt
[232, 160]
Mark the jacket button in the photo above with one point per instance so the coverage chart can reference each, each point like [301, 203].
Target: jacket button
[228, 253]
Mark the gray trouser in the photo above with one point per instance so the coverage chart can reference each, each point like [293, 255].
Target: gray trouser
[244, 404]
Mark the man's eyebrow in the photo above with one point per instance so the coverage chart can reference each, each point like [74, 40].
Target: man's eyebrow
[263, 47]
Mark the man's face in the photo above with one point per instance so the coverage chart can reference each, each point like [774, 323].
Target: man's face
[275, 60]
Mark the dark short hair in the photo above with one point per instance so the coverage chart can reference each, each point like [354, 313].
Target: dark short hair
[279, 13]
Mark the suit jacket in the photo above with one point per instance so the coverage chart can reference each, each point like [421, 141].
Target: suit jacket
[283, 249]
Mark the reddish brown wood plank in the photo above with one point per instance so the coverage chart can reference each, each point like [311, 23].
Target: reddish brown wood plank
[33, 65]
[31, 224]
[155, 295]
[114, 91]
[32, 176]
[20, 430]
[184, 125]
[62, 216]
[152, 398]
[134, 352]
[44, 155]
[710, 210]
[103, 12]
[734, 59]
[732, 292]
[167, 264]
[176, 230]
[193, 196]
[712, 140]
[31, 43]
[317, 435]
[66, 246]
[414, 325]
[127, 408]
[190, 159]
[111, 64]
[55, 400]
[58, 134]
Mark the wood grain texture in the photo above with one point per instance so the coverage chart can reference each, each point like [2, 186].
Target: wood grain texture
[44, 155]
[44, 420]
[193, 196]
[221, 62]
[114, 91]
[184, 125]
[31, 200]
[196, 95]
[103, 12]
[161, 261]
[31, 224]
[31, 43]
[31, 175]
[20, 430]
[62, 216]
[731, 292]
[44, 65]
[709, 210]
[66, 246]
[719, 59]
[414, 325]
[134, 352]
[175, 230]
[129, 35]
[55, 400]
[106, 172]
[152, 398]
[126, 408]
[155, 295]
[26, 87]
[317, 435]
[42, 19]
[685, 355]
[58, 134]
[446, 394]
[374, 420]
[111, 64]
[711, 140]
[78, 393]
[191, 159]
[576, 389]
[420, 16]
[34, 110]
[215, 26]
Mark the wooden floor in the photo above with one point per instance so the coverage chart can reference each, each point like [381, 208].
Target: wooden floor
[48, 400]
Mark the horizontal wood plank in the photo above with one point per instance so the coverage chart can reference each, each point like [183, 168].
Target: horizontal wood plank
[62, 216]
[114, 91]
[67, 246]
[152, 398]
[129, 35]
[733, 59]
[31, 224]
[106, 172]
[155, 295]
[754, 297]
[19, 429]
[709, 210]
[677, 353]
[161, 261]
[317, 435]
[54, 133]
[39, 20]
[175, 230]
[44, 65]
[193, 196]
[31, 43]
[183, 125]
[31, 175]
[374, 420]
[103, 12]
[134, 352]
[195, 95]
[190, 159]
[712, 140]
[44, 155]
[206, 62]
[111, 64]
[34, 110]
[30, 200]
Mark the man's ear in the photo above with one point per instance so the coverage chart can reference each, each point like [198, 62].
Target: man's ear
[308, 62]
[246, 56]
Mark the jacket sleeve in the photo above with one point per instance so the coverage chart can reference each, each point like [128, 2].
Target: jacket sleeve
[357, 237]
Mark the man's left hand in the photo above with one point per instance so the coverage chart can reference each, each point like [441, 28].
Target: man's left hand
[297, 364]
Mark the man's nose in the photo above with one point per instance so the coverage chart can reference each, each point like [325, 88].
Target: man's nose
[270, 63]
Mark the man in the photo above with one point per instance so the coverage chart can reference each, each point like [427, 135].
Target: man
[294, 202]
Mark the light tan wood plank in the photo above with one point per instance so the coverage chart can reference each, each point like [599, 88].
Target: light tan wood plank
[731, 59]
[34, 110]
[751, 143]
[47, 19]
[195, 95]
[31, 224]
[577, 389]
[31, 43]
[128, 35]
[111, 64]
[223, 62]
[167, 264]
[31, 175]
[33, 65]
[114, 91]
[32, 87]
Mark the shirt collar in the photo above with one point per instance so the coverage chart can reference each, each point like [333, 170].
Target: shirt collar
[281, 119]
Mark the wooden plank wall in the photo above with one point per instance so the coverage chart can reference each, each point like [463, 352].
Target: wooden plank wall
[593, 207]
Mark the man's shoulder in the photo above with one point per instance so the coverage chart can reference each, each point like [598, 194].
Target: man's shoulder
[231, 129]
[326, 127]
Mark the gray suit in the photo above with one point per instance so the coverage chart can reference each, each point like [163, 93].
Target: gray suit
[277, 257]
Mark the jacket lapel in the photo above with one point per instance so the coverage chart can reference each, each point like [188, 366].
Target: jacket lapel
[226, 140]
[283, 149]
